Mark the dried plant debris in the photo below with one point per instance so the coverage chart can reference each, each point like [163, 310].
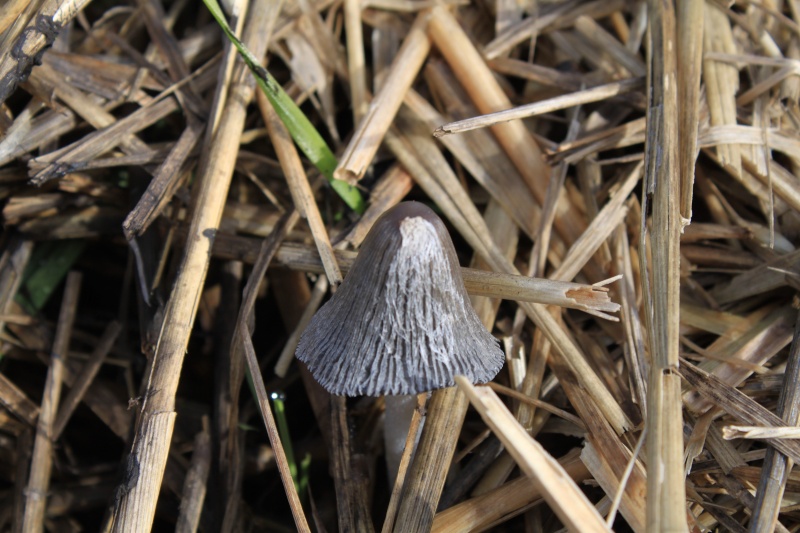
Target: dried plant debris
[590, 207]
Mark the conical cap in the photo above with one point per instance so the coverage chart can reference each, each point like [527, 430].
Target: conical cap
[401, 322]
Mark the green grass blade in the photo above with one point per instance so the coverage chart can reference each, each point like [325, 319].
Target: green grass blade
[302, 131]
[47, 268]
[302, 481]
[283, 430]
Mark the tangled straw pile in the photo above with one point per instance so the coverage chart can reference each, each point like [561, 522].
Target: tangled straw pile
[636, 206]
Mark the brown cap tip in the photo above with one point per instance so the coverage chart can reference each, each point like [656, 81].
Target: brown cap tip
[401, 322]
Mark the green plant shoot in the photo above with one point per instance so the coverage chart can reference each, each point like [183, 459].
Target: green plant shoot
[302, 131]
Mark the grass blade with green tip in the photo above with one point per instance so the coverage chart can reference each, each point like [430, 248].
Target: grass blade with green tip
[302, 131]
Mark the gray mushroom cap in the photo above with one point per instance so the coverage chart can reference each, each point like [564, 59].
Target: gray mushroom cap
[401, 322]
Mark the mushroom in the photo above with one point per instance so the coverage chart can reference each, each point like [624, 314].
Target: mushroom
[401, 322]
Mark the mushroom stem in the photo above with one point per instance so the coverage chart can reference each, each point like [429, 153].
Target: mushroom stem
[397, 423]
[398, 475]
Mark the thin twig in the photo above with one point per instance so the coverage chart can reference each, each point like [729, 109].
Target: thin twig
[42, 458]
[595, 94]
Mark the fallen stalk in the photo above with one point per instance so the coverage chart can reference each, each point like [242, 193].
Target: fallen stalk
[592, 299]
